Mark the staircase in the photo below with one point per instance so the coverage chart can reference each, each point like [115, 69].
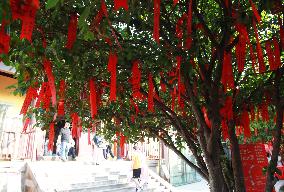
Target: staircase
[76, 176]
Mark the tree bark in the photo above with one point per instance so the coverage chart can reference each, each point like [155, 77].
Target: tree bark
[236, 160]
[270, 180]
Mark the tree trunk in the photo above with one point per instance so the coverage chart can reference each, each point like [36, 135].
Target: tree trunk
[270, 180]
[236, 160]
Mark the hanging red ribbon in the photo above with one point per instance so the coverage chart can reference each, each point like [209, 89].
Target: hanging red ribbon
[227, 72]
[270, 55]
[75, 121]
[175, 2]
[4, 39]
[120, 3]
[135, 106]
[112, 62]
[150, 93]
[62, 86]
[30, 95]
[241, 46]
[246, 124]
[276, 53]
[72, 31]
[189, 26]
[262, 68]
[50, 77]
[44, 96]
[26, 12]
[51, 137]
[93, 99]
[227, 110]
[179, 24]
[255, 12]
[135, 80]
[26, 124]
[156, 34]
[60, 109]
[89, 137]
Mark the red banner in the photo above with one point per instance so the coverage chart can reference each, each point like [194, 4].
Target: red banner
[254, 159]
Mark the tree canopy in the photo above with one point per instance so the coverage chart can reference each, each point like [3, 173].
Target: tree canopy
[185, 71]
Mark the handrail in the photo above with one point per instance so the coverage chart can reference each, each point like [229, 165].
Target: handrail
[162, 181]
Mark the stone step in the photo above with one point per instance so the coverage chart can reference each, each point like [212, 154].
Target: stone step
[97, 188]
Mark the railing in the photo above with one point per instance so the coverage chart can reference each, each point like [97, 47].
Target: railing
[162, 181]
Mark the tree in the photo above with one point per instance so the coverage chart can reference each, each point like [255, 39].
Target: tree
[208, 54]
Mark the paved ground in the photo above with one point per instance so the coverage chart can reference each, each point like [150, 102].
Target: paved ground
[194, 187]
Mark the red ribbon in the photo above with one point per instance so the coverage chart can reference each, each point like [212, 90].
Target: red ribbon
[62, 86]
[26, 124]
[150, 93]
[4, 39]
[93, 99]
[263, 108]
[175, 2]
[246, 124]
[135, 80]
[60, 109]
[255, 12]
[262, 68]
[241, 46]
[112, 62]
[120, 3]
[50, 77]
[75, 121]
[189, 26]
[44, 96]
[72, 31]
[25, 11]
[51, 136]
[227, 72]
[156, 34]
[31, 94]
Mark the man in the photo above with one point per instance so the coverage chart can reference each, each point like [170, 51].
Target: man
[136, 166]
[65, 135]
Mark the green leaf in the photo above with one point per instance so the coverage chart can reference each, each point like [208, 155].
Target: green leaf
[83, 17]
[51, 3]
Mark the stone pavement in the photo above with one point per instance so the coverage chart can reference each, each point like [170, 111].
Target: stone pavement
[201, 186]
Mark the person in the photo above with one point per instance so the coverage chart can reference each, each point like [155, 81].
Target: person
[71, 151]
[136, 167]
[65, 135]
[107, 150]
[97, 149]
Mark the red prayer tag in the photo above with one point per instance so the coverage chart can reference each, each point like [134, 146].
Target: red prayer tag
[51, 137]
[227, 72]
[156, 34]
[50, 77]
[120, 4]
[254, 159]
[72, 31]
[112, 62]
[93, 99]
[255, 12]
[135, 80]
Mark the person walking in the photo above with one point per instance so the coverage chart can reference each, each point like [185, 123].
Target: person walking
[65, 135]
[136, 166]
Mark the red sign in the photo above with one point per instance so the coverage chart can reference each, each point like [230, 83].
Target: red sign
[254, 160]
